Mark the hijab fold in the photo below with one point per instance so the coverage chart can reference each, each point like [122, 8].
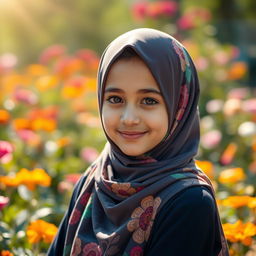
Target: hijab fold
[122, 195]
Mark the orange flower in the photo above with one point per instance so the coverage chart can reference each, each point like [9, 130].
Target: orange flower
[232, 175]
[9, 181]
[46, 82]
[4, 116]
[252, 203]
[41, 230]
[32, 178]
[74, 88]
[6, 253]
[21, 124]
[237, 201]
[28, 178]
[240, 232]
[237, 70]
[206, 167]
[45, 124]
[228, 154]
[37, 70]
[64, 141]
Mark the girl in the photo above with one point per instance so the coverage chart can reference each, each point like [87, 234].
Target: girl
[144, 195]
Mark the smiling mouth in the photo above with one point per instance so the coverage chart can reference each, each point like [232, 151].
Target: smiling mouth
[131, 135]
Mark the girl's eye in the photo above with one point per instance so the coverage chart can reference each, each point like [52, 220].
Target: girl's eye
[114, 99]
[149, 101]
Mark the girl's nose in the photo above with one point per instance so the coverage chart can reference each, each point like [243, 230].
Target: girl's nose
[130, 116]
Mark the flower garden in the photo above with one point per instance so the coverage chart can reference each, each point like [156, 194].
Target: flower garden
[50, 131]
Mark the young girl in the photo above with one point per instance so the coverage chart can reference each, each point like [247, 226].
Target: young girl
[144, 195]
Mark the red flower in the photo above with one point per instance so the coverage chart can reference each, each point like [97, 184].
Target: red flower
[92, 249]
[136, 251]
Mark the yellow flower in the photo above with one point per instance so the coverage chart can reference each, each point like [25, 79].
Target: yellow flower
[232, 175]
[240, 232]
[237, 201]
[41, 230]
[206, 167]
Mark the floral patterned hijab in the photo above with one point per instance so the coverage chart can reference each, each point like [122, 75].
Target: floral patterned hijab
[122, 195]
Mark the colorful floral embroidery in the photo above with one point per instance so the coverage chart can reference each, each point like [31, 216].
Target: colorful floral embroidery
[109, 245]
[75, 217]
[123, 189]
[84, 199]
[179, 51]
[76, 247]
[183, 101]
[136, 251]
[143, 218]
[92, 249]
[88, 209]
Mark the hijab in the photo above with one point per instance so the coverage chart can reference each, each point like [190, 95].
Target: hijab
[122, 195]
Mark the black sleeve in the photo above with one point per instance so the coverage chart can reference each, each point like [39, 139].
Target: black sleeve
[186, 226]
[57, 245]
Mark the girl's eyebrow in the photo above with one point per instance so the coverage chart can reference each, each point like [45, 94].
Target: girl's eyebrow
[140, 91]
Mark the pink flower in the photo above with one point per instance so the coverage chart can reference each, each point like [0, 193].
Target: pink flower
[64, 186]
[51, 53]
[8, 61]
[73, 178]
[3, 202]
[89, 154]
[6, 150]
[194, 17]
[214, 106]
[25, 96]
[201, 63]
[249, 106]
[139, 10]
[211, 139]
[27, 135]
[136, 251]
[186, 22]
[238, 93]
[168, 8]
[92, 249]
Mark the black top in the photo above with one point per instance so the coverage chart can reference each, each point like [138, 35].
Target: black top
[185, 226]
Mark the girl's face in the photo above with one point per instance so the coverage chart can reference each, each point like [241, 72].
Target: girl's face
[134, 113]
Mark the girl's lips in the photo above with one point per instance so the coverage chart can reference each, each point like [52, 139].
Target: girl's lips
[131, 135]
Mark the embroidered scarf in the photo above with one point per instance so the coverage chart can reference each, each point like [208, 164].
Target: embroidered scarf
[122, 195]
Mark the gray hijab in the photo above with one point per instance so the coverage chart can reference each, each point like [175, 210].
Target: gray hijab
[122, 195]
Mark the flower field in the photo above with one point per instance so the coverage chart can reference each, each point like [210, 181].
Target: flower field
[50, 132]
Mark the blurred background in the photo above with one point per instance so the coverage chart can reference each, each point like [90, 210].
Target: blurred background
[50, 131]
